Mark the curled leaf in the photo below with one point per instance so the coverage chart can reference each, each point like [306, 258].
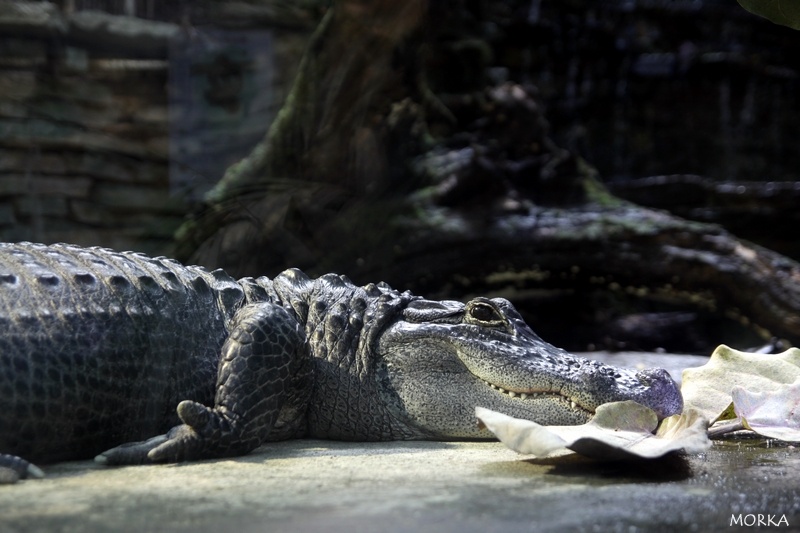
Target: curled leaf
[522, 436]
[619, 430]
[774, 414]
[708, 388]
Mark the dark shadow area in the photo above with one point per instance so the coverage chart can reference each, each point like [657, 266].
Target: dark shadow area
[672, 467]
[576, 468]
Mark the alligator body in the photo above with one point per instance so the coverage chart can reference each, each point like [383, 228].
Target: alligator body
[98, 348]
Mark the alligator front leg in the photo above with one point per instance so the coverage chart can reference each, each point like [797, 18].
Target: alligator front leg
[262, 356]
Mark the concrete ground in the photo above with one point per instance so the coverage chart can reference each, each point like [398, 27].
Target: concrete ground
[309, 486]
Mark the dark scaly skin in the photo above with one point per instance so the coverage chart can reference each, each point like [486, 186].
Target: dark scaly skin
[88, 344]
[98, 348]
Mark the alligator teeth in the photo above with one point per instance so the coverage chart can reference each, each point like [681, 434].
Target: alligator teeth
[526, 395]
[520, 395]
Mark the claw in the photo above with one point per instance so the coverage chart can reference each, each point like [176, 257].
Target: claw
[13, 468]
[182, 443]
[194, 414]
[131, 453]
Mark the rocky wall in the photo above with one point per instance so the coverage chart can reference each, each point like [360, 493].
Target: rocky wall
[111, 127]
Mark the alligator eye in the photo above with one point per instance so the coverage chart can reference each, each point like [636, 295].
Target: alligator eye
[483, 312]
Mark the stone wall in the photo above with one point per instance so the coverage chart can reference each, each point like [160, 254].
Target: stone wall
[83, 155]
[112, 126]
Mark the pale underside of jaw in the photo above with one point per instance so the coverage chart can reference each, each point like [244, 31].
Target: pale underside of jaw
[539, 394]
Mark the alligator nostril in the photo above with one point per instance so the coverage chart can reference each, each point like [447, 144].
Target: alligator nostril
[662, 394]
[653, 375]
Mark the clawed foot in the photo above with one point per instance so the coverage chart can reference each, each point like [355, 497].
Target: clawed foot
[199, 437]
[13, 468]
[131, 453]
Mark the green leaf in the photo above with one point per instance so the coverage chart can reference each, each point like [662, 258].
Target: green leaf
[774, 414]
[783, 12]
[708, 388]
[619, 430]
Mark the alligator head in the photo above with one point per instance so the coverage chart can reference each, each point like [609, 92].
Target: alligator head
[441, 359]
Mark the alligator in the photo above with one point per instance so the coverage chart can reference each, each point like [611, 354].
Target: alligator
[135, 359]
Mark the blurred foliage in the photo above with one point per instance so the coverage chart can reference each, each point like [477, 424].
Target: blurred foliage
[783, 12]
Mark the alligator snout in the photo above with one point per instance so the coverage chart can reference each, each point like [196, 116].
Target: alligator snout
[661, 393]
[652, 387]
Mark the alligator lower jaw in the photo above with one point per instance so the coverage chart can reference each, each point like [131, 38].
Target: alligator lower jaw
[540, 394]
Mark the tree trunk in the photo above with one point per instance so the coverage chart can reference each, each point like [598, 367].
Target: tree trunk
[624, 249]
[495, 207]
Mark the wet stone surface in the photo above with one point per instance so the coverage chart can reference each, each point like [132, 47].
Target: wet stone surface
[417, 486]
